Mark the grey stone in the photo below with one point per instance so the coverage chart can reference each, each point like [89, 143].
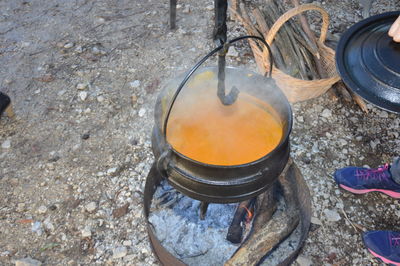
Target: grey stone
[6, 144]
[332, 215]
[119, 252]
[27, 262]
[91, 207]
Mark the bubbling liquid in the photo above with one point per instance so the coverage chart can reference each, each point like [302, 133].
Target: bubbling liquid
[203, 129]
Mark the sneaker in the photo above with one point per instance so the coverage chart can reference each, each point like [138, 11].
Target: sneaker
[360, 180]
[384, 245]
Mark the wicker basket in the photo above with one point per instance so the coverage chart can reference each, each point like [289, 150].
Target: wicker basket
[298, 89]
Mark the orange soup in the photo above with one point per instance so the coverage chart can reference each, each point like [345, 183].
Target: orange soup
[203, 129]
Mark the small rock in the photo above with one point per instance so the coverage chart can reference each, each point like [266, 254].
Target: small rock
[315, 220]
[83, 95]
[134, 84]
[91, 207]
[112, 171]
[37, 228]
[383, 114]
[210, 7]
[42, 209]
[142, 112]
[6, 144]
[48, 225]
[96, 50]
[86, 232]
[134, 99]
[326, 113]
[121, 211]
[79, 49]
[27, 262]
[21, 207]
[331, 215]
[81, 86]
[232, 52]
[127, 243]
[186, 10]
[303, 261]
[119, 252]
[100, 99]
[86, 136]
[68, 45]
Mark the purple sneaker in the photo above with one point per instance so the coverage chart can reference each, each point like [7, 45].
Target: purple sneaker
[384, 245]
[360, 180]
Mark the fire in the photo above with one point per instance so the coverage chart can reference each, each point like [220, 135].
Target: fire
[249, 215]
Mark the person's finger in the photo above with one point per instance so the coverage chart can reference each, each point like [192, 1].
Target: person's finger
[394, 28]
[396, 36]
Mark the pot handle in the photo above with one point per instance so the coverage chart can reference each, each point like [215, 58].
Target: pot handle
[224, 46]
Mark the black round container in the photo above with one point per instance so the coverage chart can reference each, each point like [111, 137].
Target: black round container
[223, 184]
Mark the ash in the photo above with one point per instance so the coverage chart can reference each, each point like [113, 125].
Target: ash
[175, 219]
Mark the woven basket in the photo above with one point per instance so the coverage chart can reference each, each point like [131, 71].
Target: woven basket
[298, 89]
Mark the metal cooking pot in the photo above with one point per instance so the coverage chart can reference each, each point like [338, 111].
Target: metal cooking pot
[216, 183]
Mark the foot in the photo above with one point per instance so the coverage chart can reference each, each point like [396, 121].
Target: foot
[360, 180]
[384, 245]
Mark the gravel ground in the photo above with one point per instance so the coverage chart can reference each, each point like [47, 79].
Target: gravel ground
[84, 76]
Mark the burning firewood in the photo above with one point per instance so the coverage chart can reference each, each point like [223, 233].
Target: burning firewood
[268, 229]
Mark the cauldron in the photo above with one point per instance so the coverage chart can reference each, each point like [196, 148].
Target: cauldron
[222, 183]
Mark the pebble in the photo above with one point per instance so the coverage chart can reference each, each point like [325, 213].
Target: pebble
[83, 95]
[112, 171]
[315, 220]
[100, 99]
[79, 49]
[232, 52]
[27, 262]
[81, 86]
[68, 45]
[142, 112]
[127, 243]
[21, 207]
[331, 215]
[303, 261]
[42, 209]
[210, 7]
[48, 225]
[119, 252]
[6, 144]
[96, 50]
[326, 113]
[91, 207]
[134, 84]
[37, 228]
[86, 232]
[134, 99]
[186, 10]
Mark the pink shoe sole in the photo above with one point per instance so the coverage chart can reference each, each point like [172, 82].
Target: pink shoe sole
[385, 260]
[390, 193]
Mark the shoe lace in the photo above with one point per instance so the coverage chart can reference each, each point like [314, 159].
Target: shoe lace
[394, 240]
[374, 173]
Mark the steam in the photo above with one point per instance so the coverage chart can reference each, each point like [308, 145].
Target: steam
[199, 99]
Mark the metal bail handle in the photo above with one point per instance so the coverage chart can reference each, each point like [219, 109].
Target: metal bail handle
[189, 74]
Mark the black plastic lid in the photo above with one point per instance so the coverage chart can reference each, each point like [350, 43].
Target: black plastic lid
[368, 61]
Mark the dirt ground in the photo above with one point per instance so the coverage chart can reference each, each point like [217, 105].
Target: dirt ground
[84, 75]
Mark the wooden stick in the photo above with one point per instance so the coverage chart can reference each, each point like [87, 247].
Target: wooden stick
[235, 230]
